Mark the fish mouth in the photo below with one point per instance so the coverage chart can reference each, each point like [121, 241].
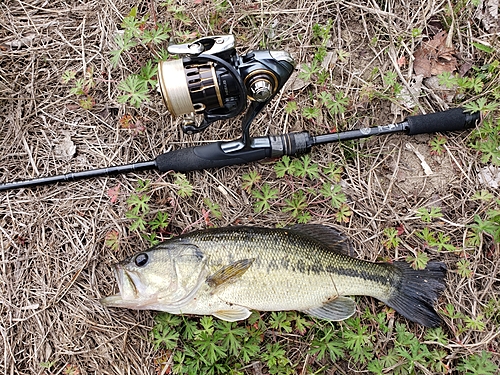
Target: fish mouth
[128, 293]
[132, 294]
[125, 283]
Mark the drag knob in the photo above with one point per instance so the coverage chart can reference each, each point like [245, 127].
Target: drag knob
[261, 90]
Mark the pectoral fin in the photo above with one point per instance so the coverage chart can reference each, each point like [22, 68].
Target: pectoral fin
[233, 314]
[340, 308]
[229, 273]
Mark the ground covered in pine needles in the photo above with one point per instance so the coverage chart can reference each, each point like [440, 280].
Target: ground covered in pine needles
[359, 64]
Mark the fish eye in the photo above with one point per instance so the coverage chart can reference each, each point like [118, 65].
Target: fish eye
[141, 259]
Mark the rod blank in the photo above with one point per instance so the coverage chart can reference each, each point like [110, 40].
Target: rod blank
[74, 176]
[215, 156]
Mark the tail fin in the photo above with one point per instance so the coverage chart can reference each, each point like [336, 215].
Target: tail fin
[417, 291]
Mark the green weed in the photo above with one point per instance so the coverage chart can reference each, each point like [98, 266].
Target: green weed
[71, 369]
[213, 208]
[48, 364]
[478, 364]
[214, 346]
[343, 215]
[392, 238]
[82, 87]
[327, 343]
[184, 187]
[437, 145]
[311, 112]
[291, 107]
[464, 268]
[263, 197]
[285, 166]
[418, 261]
[309, 71]
[490, 225]
[334, 104]
[427, 215]
[112, 240]
[136, 90]
[296, 206]
[153, 225]
[142, 34]
[334, 194]
[250, 179]
[302, 191]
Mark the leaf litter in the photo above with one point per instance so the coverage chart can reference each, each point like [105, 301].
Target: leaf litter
[435, 56]
[487, 13]
[58, 242]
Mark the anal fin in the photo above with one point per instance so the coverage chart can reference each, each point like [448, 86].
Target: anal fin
[340, 308]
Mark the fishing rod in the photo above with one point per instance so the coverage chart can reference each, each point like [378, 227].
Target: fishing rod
[211, 80]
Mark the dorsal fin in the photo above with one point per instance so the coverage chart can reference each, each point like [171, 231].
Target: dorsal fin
[329, 237]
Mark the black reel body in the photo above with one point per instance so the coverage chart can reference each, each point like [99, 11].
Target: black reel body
[214, 81]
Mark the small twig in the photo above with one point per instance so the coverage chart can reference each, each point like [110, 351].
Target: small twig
[458, 165]
[427, 170]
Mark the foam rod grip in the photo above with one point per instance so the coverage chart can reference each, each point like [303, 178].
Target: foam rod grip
[205, 157]
[451, 120]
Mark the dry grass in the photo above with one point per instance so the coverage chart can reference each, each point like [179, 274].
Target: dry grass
[54, 265]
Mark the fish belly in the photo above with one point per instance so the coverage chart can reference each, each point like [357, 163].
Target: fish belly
[278, 291]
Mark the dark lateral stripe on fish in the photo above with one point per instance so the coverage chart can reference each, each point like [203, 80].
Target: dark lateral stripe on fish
[292, 238]
[361, 274]
[317, 268]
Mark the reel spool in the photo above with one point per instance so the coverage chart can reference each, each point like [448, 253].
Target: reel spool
[213, 81]
[202, 92]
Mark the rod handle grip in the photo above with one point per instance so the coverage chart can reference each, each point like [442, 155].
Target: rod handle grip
[451, 120]
[206, 157]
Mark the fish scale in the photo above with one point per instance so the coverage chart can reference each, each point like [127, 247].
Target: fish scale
[227, 272]
[304, 257]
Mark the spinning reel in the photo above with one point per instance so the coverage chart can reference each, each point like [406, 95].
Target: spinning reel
[212, 80]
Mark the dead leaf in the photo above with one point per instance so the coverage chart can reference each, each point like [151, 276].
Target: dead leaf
[402, 61]
[407, 96]
[447, 94]
[488, 14]
[26, 41]
[113, 194]
[464, 68]
[295, 83]
[329, 60]
[490, 175]
[434, 57]
[65, 149]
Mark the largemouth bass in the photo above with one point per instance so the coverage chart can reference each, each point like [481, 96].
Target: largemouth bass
[226, 272]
